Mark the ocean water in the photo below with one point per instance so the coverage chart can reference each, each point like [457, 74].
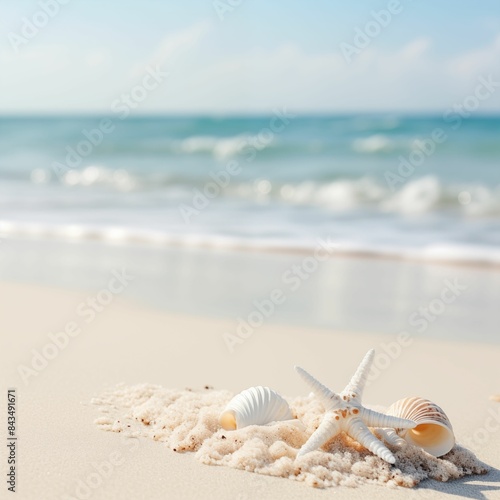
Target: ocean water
[420, 187]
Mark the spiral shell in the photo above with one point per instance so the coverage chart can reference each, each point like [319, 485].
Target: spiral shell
[433, 432]
[254, 406]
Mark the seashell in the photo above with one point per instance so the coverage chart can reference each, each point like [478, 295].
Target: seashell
[254, 406]
[433, 432]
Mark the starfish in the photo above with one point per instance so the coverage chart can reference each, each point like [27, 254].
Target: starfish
[345, 413]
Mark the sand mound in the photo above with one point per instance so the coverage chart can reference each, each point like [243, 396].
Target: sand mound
[187, 421]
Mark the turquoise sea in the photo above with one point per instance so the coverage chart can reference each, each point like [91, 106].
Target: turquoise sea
[378, 184]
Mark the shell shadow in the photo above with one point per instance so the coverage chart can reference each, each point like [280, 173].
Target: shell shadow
[467, 487]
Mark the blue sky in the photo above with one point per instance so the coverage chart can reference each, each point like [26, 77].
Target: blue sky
[260, 56]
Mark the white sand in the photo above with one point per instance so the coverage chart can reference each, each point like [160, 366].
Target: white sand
[61, 450]
[188, 421]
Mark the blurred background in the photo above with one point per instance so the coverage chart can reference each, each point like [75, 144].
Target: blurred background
[208, 147]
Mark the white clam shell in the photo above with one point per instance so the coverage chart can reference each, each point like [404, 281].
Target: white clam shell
[433, 432]
[254, 406]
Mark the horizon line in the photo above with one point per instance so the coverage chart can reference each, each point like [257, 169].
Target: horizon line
[241, 114]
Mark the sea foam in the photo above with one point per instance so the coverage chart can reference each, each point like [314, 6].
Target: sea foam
[187, 421]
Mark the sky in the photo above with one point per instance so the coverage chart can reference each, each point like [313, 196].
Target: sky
[246, 56]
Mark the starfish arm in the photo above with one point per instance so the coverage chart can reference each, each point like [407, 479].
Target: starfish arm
[330, 400]
[375, 419]
[358, 380]
[390, 436]
[360, 432]
[328, 428]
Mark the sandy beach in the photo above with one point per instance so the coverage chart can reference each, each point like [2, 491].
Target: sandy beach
[60, 446]
[295, 208]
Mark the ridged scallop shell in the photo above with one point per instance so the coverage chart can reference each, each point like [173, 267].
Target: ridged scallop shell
[254, 406]
[433, 432]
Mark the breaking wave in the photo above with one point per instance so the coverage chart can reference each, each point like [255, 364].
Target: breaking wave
[421, 195]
